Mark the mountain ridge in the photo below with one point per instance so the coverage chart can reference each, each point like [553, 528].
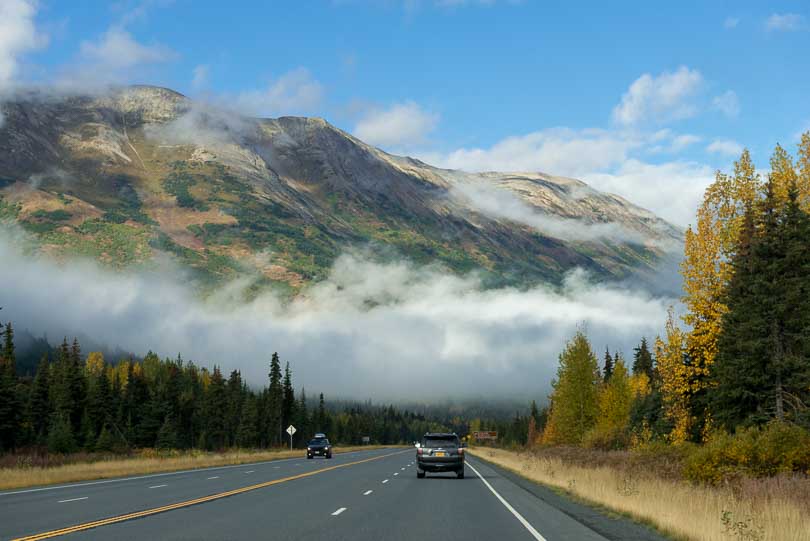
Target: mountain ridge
[138, 172]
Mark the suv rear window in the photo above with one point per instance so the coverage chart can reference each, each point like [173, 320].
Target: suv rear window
[319, 441]
[432, 443]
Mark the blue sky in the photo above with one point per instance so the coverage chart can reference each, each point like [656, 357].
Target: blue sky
[638, 98]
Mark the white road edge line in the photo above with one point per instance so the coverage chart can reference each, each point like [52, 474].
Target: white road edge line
[339, 511]
[159, 486]
[367, 492]
[73, 499]
[119, 480]
[511, 509]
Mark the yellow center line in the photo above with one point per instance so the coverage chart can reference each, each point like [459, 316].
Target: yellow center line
[179, 505]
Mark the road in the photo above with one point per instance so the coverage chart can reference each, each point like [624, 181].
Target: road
[371, 495]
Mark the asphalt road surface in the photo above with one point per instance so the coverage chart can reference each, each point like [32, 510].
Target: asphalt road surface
[367, 495]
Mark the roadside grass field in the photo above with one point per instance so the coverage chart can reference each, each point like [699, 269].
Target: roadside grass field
[765, 509]
[142, 462]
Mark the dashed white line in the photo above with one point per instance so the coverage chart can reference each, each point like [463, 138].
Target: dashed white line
[276, 467]
[339, 511]
[214, 477]
[367, 492]
[385, 481]
[159, 486]
[73, 499]
[250, 471]
[397, 473]
[403, 469]
[518, 516]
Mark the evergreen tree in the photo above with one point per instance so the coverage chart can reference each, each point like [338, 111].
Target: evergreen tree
[643, 360]
[60, 435]
[608, 370]
[39, 410]
[574, 405]
[763, 359]
[10, 409]
[216, 404]
[246, 435]
[167, 435]
[275, 400]
[321, 424]
[235, 397]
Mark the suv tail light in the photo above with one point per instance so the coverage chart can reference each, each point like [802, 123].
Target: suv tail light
[461, 451]
[420, 451]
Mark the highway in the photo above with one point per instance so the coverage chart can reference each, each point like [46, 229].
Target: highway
[367, 495]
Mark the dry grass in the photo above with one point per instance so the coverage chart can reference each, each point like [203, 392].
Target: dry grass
[678, 508]
[144, 462]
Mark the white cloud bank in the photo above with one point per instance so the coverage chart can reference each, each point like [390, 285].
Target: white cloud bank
[382, 331]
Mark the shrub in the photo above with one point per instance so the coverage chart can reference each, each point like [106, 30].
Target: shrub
[755, 452]
[607, 439]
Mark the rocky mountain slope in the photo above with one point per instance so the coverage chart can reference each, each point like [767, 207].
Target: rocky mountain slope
[142, 173]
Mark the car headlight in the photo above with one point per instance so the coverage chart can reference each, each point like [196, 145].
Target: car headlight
[309, 448]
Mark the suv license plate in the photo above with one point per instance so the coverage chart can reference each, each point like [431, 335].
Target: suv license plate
[441, 453]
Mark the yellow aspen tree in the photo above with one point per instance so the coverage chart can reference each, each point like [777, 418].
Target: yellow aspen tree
[94, 365]
[803, 165]
[675, 380]
[640, 385]
[615, 400]
[783, 173]
[706, 268]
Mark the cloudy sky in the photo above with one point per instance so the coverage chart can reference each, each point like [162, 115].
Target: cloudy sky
[643, 99]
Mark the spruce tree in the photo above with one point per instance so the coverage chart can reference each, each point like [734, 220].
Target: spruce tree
[10, 409]
[246, 436]
[275, 400]
[643, 360]
[39, 410]
[288, 398]
[608, 370]
[216, 405]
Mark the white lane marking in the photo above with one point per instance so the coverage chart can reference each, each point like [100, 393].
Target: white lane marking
[73, 499]
[511, 509]
[396, 473]
[159, 486]
[250, 471]
[276, 467]
[385, 481]
[137, 477]
[339, 511]
[403, 469]
[367, 492]
[214, 477]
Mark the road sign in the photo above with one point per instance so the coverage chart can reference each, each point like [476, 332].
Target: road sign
[291, 430]
[486, 435]
[366, 439]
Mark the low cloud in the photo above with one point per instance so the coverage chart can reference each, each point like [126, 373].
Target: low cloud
[200, 75]
[665, 97]
[503, 204]
[384, 331]
[401, 125]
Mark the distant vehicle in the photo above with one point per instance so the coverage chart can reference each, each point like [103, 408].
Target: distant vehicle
[319, 446]
[440, 452]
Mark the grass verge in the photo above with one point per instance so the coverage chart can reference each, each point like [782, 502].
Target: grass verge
[677, 508]
[143, 462]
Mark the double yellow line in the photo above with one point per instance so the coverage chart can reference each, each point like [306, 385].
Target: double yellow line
[179, 505]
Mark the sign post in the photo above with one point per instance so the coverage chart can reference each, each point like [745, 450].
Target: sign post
[291, 431]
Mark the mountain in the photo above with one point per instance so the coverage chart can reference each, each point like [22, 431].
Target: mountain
[137, 174]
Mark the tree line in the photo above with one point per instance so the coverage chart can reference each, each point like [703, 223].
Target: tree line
[741, 360]
[75, 402]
